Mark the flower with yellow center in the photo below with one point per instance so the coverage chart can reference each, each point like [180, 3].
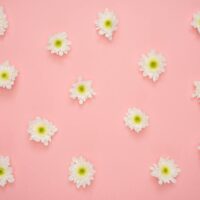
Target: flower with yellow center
[59, 44]
[106, 23]
[3, 22]
[136, 120]
[82, 90]
[8, 75]
[196, 21]
[165, 171]
[196, 93]
[41, 130]
[6, 174]
[152, 65]
[81, 172]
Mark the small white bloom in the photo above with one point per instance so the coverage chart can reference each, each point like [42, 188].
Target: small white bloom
[136, 120]
[196, 21]
[196, 93]
[59, 44]
[82, 90]
[165, 171]
[41, 130]
[3, 21]
[8, 74]
[81, 172]
[198, 147]
[6, 173]
[106, 23]
[152, 65]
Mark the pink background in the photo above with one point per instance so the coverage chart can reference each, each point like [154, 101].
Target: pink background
[96, 130]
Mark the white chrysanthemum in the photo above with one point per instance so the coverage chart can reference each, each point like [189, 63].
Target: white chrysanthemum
[81, 172]
[59, 44]
[196, 21]
[8, 74]
[152, 65]
[136, 120]
[82, 90]
[106, 23]
[41, 130]
[165, 171]
[3, 21]
[6, 173]
[196, 93]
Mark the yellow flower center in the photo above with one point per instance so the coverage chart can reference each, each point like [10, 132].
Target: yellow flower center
[2, 171]
[4, 75]
[41, 130]
[137, 119]
[58, 43]
[81, 89]
[165, 170]
[82, 171]
[108, 23]
[153, 64]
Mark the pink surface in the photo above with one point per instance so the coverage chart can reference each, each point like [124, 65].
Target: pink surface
[96, 130]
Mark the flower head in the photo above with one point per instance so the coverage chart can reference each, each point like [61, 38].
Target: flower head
[81, 172]
[152, 65]
[59, 44]
[106, 23]
[8, 74]
[82, 90]
[136, 120]
[41, 130]
[3, 22]
[6, 174]
[196, 21]
[196, 93]
[165, 171]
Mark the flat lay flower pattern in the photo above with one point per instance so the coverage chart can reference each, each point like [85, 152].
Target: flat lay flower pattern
[81, 172]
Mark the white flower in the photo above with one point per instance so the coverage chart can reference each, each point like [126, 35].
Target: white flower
[59, 44]
[41, 130]
[3, 21]
[152, 65]
[106, 23]
[136, 120]
[165, 170]
[82, 90]
[196, 93]
[81, 172]
[198, 147]
[8, 74]
[196, 21]
[6, 173]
